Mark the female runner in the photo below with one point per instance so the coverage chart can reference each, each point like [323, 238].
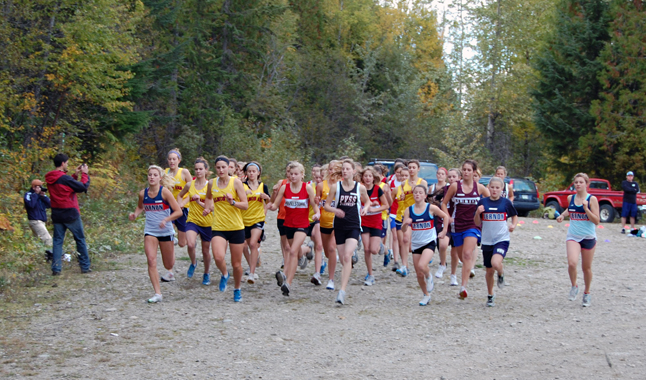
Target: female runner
[298, 197]
[253, 217]
[332, 176]
[157, 200]
[233, 167]
[371, 223]
[347, 219]
[492, 214]
[581, 239]
[420, 217]
[508, 191]
[280, 218]
[435, 195]
[465, 195]
[181, 177]
[314, 248]
[226, 197]
[454, 176]
[394, 184]
[197, 223]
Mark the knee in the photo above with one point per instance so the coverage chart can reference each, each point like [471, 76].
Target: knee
[190, 246]
[254, 245]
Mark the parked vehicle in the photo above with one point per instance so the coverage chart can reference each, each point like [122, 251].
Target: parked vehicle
[610, 201]
[427, 170]
[526, 197]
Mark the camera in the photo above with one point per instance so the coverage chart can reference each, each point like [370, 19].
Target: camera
[43, 189]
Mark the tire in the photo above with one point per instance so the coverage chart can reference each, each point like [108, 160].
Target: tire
[607, 213]
[555, 205]
[523, 214]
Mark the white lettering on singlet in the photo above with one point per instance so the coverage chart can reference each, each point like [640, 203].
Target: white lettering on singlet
[297, 203]
[348, 200]
[466, 201]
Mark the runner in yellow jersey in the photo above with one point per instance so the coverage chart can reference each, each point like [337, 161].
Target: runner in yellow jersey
[197, 223]
[253, 217]
[409, 200]
[332, 176]
[181, 178]
[226, 197]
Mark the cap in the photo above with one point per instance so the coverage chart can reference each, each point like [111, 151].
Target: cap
[630, 173]
[36, 182]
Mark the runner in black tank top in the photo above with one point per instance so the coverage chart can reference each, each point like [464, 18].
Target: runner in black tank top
[347, 219]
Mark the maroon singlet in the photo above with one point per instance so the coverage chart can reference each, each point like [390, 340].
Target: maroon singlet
[465, 208]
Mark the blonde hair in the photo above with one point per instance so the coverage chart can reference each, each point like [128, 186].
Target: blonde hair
[504, 169]
[497, 179]
[458, 171]
[296, 165]
[334, 172]
[584, 176]
[176, 152]
[166, 180]
[375, 175]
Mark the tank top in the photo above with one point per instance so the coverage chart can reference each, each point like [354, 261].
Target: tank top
[505, 191]
[156, 210]
[225, 216]
[373, 219]
[581, 227]
[384, 214]
[423, 227]
[281, 207]
[195, 210]
[255, 213]
[296, 207]
[395, 206]
[349, 202]
[327, 218]
[179, 182]
[465, 208]
[408, 198]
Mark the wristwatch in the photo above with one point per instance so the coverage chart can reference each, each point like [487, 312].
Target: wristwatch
[234, 203]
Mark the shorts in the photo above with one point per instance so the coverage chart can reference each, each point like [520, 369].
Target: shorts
[586, 244]
[629, 210]
[327, 231]
[384, 229]
[393, 223]
[488, 251]
[450, 236]
[430, 246]
[372, 231]
[458, 237]
[259, 225]
[311, 228]
[180, 222]
[161, 238]
[233, 237]
[206, 233]
[280, 223]
[343, 234]
[291, 231]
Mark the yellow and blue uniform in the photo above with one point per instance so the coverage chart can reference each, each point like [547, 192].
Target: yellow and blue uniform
[180, 222]
[196, 220]
[227, 219]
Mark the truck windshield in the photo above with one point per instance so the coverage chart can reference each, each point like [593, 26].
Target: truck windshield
[521, 185]
[428, 171]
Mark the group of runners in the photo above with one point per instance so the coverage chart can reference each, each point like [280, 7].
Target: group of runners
[342, 206]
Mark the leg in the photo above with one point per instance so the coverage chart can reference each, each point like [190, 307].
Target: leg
[181, 239]
[254, 246]
[454, 259]
[468, 258]
[367, 254]
[245, 252]
[329, 247]
[623, 222]
[167, 249]
[573, 252]
[76, 227]
[421, 268]
[206, 255]
[586, 265]
[59, 238]
[318, 247]
[294, 253]
[403, 248]
[395, 244]
[632, 223]
[236, 263]
[191, 239]
[345, 254]
[284, 245]
[150, 248]
[219, 248]
[444, 244]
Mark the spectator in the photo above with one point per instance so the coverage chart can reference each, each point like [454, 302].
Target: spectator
[65, 210]
[629, 206]
[36, 204]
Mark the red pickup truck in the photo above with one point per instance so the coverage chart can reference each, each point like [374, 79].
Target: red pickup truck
[610, 201]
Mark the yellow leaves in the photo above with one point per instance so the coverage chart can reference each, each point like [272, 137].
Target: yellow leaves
[29, 101]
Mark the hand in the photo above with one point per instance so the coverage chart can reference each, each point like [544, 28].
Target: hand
[206, 212]
[317, 200]
[265, 197]
[375, 204]
[339, 213]
[229, 198]
[162, 224]
[364, 211]
[585, 204]
[402, 197]
[85, 169]
[480, 209]
[408, 221]
[132, 217]
[316, 216]
[195, 198]
[441, 235]
[512, 227]
[560, 218]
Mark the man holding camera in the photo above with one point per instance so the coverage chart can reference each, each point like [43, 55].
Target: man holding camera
[36, 204]
[65, 210]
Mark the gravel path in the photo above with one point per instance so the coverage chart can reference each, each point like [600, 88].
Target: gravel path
[99, 327]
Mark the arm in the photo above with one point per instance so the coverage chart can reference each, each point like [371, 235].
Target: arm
[180, 197]
[315, 206]
[565, 212]
[140, 207]
[389, 198]
[78, 186]
[275, 190]
[186, 176]
[384, 204]
[483, 191]
[437, 211]
[510, 192]
[445, 201]
[238, 188]
[365, 200]
[476, 218]
[208, 202]
[273, 205]
[407, 221]
[592, 210]
[167, 195]
[328, 205]
[424, 183]
[514, 223]
[45, 199]
[30, 199]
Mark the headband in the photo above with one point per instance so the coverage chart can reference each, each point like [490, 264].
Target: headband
[253, 164]
[176, 152]
[443, 168]
[222, 159]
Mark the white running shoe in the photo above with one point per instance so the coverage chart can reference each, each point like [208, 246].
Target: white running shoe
[425, 300]
[168, 277]
[330, 285]
[156, 298]
[175, 242]
[340, 298]
[382, 249]
[454, 280]
[316, 279]
[310, 254]
[370, 280]
[430, 285]
[440, 271]
[302, 262]
[574, 291]
[472, 274]
[586, 300]
[251, 279]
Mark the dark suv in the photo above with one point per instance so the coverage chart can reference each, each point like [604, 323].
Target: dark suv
[427, 170]
[526, 196]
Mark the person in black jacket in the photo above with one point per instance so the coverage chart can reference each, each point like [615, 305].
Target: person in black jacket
[36, 204]
[629, 206]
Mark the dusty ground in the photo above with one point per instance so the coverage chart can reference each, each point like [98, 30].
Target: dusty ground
[99, 327]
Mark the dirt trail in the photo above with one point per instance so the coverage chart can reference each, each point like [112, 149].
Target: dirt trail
[99, 327]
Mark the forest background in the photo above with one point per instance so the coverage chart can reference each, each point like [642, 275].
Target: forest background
[547, 88]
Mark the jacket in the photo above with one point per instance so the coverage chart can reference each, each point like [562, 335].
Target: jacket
[63, 189]
[36, 205]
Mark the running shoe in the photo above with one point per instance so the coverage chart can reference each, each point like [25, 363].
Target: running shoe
[282, 266]
[403, 271]
[237, 295]
[246, 272]
[223, 282]
[623, 231]
[280, 278]
[340, 298]
[323, 266]
[586, 300]
[490, 300]
[302, 262]
[440, 271]
[355, 257]
[206, 279]
[168, 277]
[463, 293]
[330, 285]
[251, 279]
[574, 291]
[285, 289]
[430, 285]
[175, 241]
[316, 279]
[454, 280]
[370, 280]
[501, 281]
[387, 258]
[156, 298]
[310, 254]
[382, 248]
[395, 266]
[191, 270]
[472, 274]
[425, 301]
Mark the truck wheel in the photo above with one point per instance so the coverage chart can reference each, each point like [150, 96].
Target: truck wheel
[555, 205]
[523, 214]
[607, 213]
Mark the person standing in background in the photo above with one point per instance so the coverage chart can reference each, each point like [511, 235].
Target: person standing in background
[629, 206]
[36, 205]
